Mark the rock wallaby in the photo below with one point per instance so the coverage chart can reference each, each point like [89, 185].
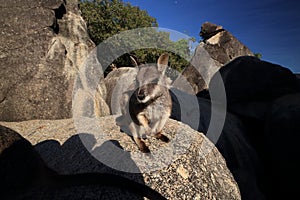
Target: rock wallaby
[147, 105]
[22, 168]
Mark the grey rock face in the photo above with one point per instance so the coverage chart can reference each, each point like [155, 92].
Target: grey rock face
[43, 44]
[221, 46]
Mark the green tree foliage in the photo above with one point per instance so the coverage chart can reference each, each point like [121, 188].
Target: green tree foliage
[106, 18]
[258, 55]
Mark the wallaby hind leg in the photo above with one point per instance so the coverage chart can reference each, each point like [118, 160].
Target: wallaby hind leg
[134, 129]
[161, 137]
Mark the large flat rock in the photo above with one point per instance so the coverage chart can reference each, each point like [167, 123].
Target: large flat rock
[188, 167]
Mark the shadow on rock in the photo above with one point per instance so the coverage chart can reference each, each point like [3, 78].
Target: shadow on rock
[25, 175]
[233, 143]
[281, 153]
[260, 135]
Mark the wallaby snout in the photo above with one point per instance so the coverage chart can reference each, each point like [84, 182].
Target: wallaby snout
[141, 94]
[146, 92]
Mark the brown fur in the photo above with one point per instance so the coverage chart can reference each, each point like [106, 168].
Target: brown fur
[146, 108]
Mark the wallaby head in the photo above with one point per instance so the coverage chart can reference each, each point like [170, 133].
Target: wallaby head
[151, 79]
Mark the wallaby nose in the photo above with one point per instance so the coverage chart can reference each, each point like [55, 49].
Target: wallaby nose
[141, 95]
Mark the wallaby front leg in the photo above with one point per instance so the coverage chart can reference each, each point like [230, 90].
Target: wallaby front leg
[145, 123]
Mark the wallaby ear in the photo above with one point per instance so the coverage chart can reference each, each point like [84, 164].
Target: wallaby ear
[134, 61]
[162, 61]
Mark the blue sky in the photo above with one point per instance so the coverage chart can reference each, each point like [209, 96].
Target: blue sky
[270, 27]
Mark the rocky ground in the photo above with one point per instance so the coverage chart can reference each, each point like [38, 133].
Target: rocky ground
[189, 167]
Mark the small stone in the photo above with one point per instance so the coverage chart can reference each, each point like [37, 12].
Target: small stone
[182, 172]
